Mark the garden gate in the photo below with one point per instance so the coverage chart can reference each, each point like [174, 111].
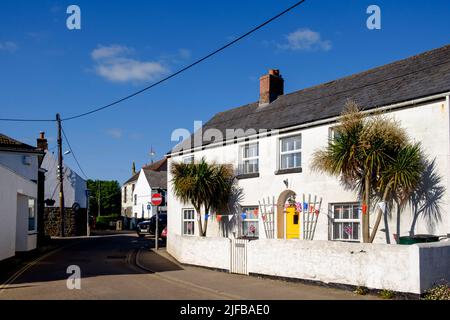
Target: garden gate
[238, 256]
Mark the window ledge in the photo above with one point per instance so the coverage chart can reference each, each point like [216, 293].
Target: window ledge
[247, 176]
[286, 171]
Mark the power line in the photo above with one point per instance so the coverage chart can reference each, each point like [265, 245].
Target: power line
[171, 75]
[189, 66]
[74, 156]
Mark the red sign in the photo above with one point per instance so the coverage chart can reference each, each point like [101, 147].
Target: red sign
[156, 199]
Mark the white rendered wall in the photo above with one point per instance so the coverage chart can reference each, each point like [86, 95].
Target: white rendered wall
[12, 185]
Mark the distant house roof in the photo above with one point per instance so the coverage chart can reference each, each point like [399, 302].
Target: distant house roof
[156, 179]
[133, 178]
[160, 165]
[11, 145]
[415, 77]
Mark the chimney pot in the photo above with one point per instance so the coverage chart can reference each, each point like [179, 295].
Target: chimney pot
[271, 86]
[42, 143]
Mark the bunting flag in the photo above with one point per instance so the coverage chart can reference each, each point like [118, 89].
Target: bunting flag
[230, 216]
[256, 212]
[317, 212]
[298, 206]
[244, 215]
[264, 217]
[364, 208]
[305, 206]
[218, 217]
[206, 216]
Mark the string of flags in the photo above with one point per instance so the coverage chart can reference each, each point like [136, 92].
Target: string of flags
[243, 215]
[304, 208]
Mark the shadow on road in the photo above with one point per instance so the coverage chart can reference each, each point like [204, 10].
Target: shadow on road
[99, 256]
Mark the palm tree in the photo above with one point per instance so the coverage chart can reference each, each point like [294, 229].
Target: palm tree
[204, 185]
[400, 178]
[359, 153]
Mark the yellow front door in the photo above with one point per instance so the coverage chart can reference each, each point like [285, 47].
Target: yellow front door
[292, 223]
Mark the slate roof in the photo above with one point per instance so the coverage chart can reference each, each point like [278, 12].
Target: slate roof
[11, 145]
[415, 77]
[133, 178]
[156, 179]
[160, 165]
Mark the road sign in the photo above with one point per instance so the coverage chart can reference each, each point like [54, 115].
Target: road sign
[156, 199]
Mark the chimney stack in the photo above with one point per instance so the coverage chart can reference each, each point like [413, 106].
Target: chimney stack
[42, 143]
[270, 87]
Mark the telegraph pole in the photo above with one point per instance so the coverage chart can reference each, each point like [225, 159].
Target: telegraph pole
[60, 174]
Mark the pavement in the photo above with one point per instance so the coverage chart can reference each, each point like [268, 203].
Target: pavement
[123, 266]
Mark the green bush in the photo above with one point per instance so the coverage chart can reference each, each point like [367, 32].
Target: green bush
[386, 294]
[438, 292]
[362, 291]
[104, 222]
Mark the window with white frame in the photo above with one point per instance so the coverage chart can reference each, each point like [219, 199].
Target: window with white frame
[188, 159]
[290, 152]
[333, 133]
[249, 219]
[31, 214]
[346, 222]
[249, 158]
[188, 222]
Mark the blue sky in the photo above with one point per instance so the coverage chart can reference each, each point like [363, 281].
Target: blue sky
[125, 45]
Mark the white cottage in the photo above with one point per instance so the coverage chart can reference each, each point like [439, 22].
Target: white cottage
[138, 190]
[271, 142]
[18, 196]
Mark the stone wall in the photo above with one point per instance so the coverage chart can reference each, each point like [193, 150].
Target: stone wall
[75, 222]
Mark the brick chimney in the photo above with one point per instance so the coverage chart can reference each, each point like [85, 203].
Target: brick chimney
[42, 143]
[270, 87]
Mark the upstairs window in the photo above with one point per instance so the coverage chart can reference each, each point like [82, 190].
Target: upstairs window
[188, 159]
[290, 152]
[249, 158]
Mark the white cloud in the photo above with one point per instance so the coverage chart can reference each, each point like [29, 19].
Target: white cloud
[107, 52]
[115, 133]
[113, 64]
[305, 39]
[8, 46]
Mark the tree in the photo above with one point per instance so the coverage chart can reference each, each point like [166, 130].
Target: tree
[363, 153]
[205, 185]
[109, 194]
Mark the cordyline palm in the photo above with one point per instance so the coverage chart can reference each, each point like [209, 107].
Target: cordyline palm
[359, 153]
[400, 178]
[202, 184]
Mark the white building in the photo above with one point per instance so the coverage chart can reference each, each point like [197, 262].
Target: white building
[18, 196]
[75, 187]
[137, 192]
[271, 143]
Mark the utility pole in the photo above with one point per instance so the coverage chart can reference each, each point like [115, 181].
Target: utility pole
[98, 197]
[60, 174]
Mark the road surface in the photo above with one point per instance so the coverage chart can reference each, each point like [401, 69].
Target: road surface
[123, 267]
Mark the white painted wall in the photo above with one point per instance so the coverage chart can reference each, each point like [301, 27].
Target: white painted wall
[127, 197]
[402, 268]
[427, 123]
[25, 165]
[210, 252]
[74, 186]
[14, 237]
[143, 193]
